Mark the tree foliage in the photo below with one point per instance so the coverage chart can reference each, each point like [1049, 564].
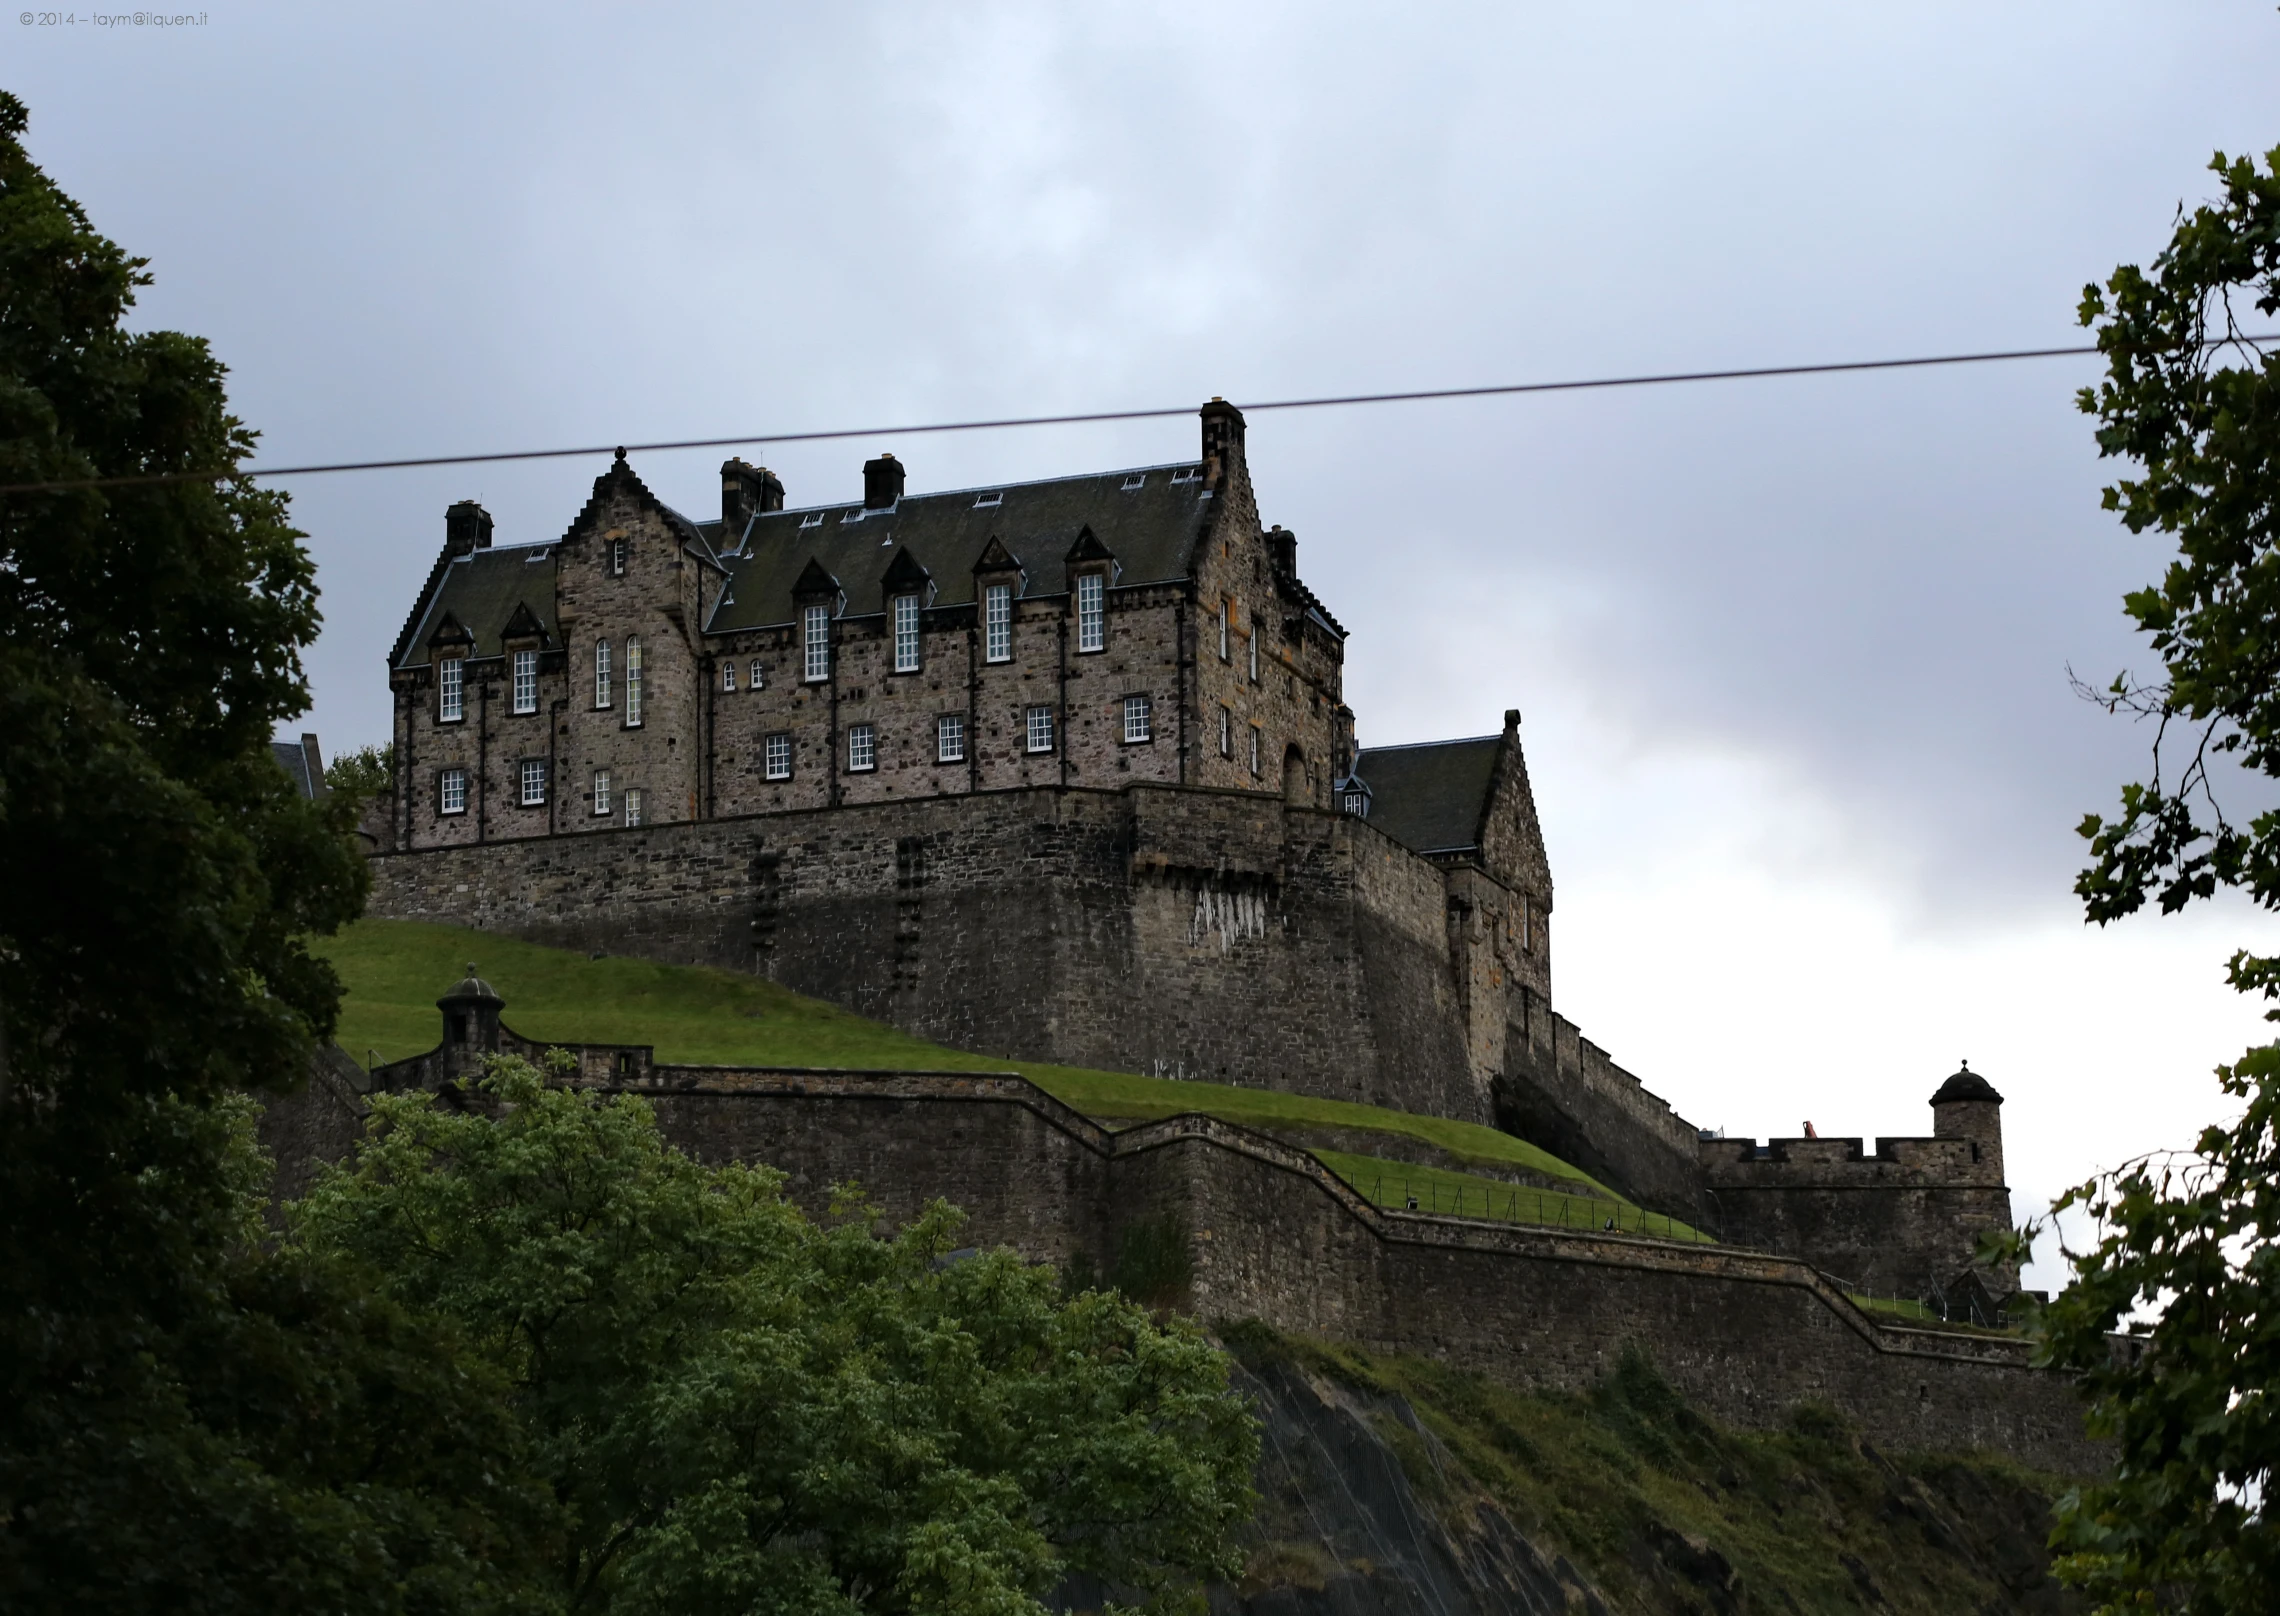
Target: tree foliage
[740, 1410]
[2187, 1257]
[185, 1424]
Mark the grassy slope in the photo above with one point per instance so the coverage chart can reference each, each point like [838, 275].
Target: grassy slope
[394, 970]
[1606, 1478]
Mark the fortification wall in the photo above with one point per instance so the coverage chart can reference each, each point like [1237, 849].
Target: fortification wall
[1275, 1236]
[1561, 1091]
[1211, 934]
[1902, 1219]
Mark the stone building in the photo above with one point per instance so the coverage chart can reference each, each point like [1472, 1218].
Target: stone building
[1056, 771]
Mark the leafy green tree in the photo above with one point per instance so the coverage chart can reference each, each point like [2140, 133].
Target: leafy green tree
[741, 1410]
[2187, 1256]
[361, 775]
[185, 1424]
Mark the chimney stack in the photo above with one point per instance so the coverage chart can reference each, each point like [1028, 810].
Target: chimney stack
[466, 528]
[746, 491]
[882, 483]
[1282, 544]
[1222, 440]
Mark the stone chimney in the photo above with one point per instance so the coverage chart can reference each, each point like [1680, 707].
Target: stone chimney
[466, 528]
[470, 1026]
[746, 491]
[1282, 544]
[1222, 440]
[882, 483]
[1967, 1107]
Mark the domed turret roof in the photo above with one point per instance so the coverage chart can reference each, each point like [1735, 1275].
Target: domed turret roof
[471, 989]
[1966, 1085]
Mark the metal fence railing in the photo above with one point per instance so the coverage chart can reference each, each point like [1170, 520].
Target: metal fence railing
[1518, 1204]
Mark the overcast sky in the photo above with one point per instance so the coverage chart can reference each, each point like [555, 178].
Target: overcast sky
[1792, 653]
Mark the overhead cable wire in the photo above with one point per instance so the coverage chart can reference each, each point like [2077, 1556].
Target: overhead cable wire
[1084, 418]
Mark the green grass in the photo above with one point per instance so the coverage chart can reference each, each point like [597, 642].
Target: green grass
[1392, 1183]
[700, 1016]
[1638, 1489]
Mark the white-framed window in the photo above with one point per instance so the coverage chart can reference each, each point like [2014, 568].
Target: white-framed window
[906, 634]
[1138, 714]
[633, 806]
[759, 676]
[862, 748]
[1254, 749]
[1356, 802]
[815, 644]
[1226, 625]
[728, 677]
[603, 694]
[1092, 612]
[602, 792]
[997, 623]
[526, 681]
[1039, 729]
[533, 781]
[950, 738]
[451, 690]
[633, 684]
[617, 558]
[776, 757]
[1251, 641]
[451, 791]
[1226, 732]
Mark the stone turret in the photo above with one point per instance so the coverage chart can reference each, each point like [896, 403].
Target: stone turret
[1968, 1108]
[470, 1025]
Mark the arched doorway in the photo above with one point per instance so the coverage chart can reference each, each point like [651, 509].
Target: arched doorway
[1298, 780]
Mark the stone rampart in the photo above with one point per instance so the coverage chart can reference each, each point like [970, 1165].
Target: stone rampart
[1901, 1219]
[1212, 934]
[1276, 1236]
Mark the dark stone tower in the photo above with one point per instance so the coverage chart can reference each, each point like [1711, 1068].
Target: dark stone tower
[470, 1025]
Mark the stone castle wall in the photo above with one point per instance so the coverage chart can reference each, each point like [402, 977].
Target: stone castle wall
[1275, 1236]
[1210, 934]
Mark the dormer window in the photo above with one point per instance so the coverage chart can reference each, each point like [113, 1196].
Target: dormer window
[451, 690]
[997, 623]
[526, 682]
[1092, 615]
[1359, 806]
[602, 692]
[815, 643]
[906, 633]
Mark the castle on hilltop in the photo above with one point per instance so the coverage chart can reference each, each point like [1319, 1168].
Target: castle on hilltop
[1057, 771]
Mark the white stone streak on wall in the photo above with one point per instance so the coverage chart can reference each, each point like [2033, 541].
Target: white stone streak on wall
[1233, 915]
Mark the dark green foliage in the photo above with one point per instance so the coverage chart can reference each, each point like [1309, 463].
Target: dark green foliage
[2189, 1242]
[739, 1410]
[362, 775]
[185, 1424]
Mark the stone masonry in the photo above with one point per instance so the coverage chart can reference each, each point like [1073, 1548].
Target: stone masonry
[1057, 771]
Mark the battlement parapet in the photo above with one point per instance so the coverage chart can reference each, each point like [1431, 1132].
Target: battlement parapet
[1819, 1163]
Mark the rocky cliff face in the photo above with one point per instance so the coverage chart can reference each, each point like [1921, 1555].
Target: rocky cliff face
[1393, 1486]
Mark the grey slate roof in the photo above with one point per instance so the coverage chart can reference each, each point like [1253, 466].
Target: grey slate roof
[301, 763]
[1148, 522]
[480, 591]
[1430, 797]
